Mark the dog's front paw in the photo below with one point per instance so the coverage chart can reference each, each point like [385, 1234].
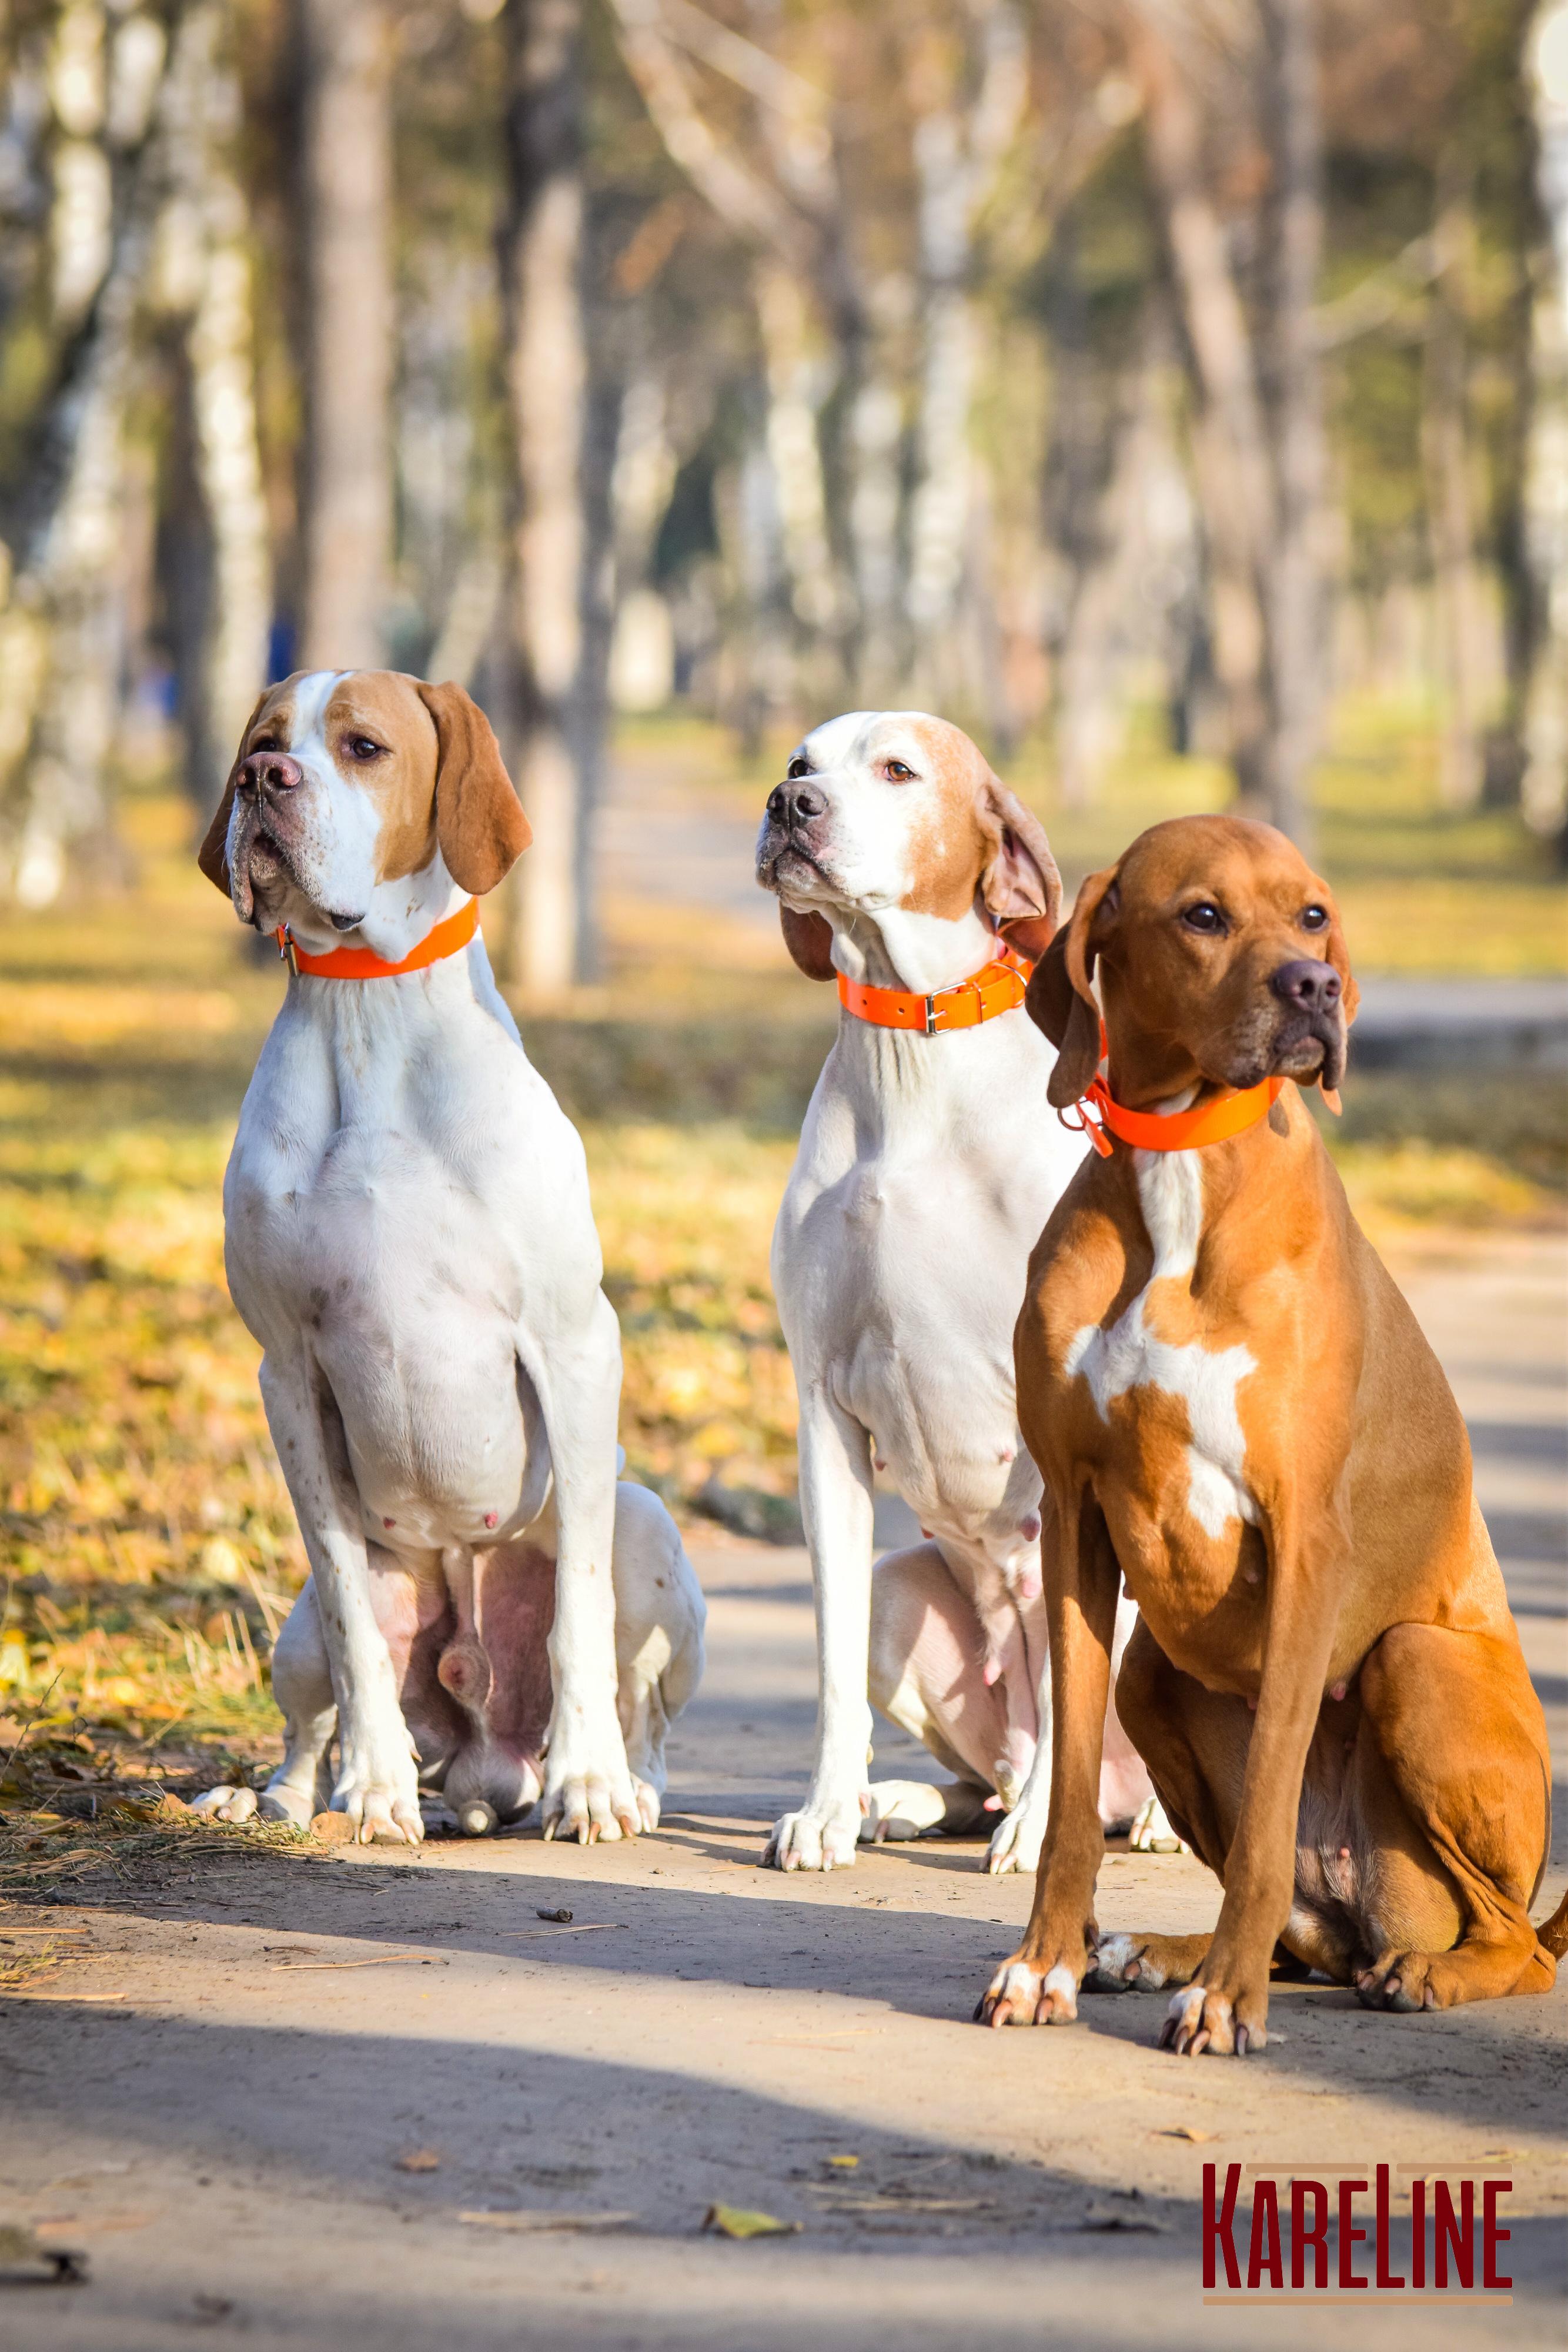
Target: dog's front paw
[588, 1791]
[377, 1786]
[1201, 2017]
[821, 1836]
[1030, 1992]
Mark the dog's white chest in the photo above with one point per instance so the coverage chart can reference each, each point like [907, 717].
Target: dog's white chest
[1130, 1356]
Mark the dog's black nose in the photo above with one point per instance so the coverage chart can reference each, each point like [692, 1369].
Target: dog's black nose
[1310, 986]
[270, 771]
[794, 803]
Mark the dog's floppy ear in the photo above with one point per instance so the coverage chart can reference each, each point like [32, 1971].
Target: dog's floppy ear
[810, 940]
[1336, 952]
[1061, 997]
[1020, 886]
[213, 857]
[479, 821]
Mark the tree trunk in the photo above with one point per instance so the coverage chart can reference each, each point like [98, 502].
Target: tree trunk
[58, 681]
[1445, 455]
[347, 496]
[1544, 790]
[1230, 448]
[1297, 647]
[546, 383]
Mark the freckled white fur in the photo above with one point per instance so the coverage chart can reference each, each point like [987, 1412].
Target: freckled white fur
[1129, 1355]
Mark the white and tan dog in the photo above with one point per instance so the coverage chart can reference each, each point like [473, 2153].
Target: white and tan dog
[409, 1236]
[929, 1162]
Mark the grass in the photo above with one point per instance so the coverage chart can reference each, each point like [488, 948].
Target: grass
[147, 1547]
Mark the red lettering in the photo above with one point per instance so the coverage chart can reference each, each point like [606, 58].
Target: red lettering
[1216, 2230]
[1386, 2277]
[1491, 2236]
[1263, 2247]
[1418, 2233]
[1317, 2237]
[1457, 2235]
[1349, 2235]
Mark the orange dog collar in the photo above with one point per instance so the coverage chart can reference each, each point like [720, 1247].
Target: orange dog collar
[965, 1005]
[1215, 1121]
[358, 963]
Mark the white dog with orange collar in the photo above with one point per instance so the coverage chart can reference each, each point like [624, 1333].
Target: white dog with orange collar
[929, 1163]
[409, 1236]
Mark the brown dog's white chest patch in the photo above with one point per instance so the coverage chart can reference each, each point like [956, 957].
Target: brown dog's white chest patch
[1131, 1355]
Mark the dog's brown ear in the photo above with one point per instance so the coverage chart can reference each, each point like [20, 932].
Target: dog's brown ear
[810, 940]
[1020, 886]
[213, 857]
[479, 821]
[1061, 997]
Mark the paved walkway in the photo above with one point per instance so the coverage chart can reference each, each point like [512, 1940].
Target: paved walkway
[232, 2148]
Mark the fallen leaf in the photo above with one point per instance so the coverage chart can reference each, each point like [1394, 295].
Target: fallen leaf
[735, 2221]
[561, 1916]
[418, 2159]
[1187, 2131]
[19, 2247]
[531, 2218]
[332, 1829]
[844, 2163]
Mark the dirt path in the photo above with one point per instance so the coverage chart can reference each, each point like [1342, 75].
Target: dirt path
[223, 2141]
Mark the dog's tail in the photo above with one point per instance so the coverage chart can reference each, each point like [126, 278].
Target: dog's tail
[1553, 1932]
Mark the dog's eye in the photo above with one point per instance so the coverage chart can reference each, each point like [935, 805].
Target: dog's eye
[361, 747]
[1205, 916]
[897, 772]
[798, 766]
[1315, 919]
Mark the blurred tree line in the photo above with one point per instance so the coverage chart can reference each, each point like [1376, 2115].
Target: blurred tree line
[1017, 358]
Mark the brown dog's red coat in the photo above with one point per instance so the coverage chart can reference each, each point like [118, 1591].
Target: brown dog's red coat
[1231, 1401]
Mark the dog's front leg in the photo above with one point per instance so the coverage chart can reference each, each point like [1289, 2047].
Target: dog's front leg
[1227, 2010]
[377, 1783]
[1040, 1984]
[836, 1505]
[589, 1792]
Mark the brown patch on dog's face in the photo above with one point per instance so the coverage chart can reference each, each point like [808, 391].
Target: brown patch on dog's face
[380, 736]
[1221, 957]
[973, 835]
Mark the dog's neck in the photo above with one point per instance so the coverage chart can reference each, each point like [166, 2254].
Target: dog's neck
[401, 914]
[897, 947]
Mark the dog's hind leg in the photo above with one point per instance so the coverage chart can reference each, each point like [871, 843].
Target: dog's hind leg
[1460, 1733]
[927, 1677]
[660, 1616]
[302, 1685]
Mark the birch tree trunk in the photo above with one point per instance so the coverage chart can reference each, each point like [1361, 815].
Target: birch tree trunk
[1544, 790]
[547, 384]
[1298, 637]
[347, 486]
[58, 686]
[1445, 457]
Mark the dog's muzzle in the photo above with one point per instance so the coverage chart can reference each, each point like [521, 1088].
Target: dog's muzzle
[264, 784]
[1313, 997]
[792, 811]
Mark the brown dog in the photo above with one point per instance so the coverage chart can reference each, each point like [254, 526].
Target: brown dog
[1231, 1401]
